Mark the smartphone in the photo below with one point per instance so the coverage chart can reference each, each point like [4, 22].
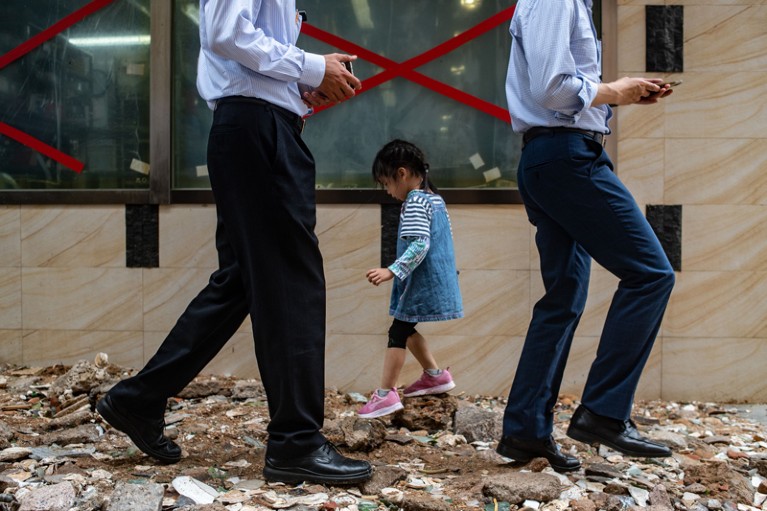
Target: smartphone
[349, 67]
[673, 84]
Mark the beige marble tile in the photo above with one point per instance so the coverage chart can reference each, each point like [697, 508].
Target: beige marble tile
[631, 39]
[167, 293]
[10, 347]
[640, 121]
[582, 355]
[349, 235]
[717, 238]
[491, 237]
[81, 299]
[641, 168]
[188, 236]
[44, 347]
[495, 302]
[354, 306]
[237, 358]
[10, 236]
[717, 105]
[721, 369]
[724, 304]
[479, 364]
[711, 171]
[725, 38]
[73, 236]
[10, 298]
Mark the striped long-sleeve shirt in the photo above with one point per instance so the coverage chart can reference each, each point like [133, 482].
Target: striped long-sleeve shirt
[415, 227]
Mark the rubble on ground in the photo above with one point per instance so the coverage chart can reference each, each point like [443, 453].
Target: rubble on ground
[437, 454]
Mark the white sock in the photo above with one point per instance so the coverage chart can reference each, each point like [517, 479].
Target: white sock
[383, 392]
[434, 372]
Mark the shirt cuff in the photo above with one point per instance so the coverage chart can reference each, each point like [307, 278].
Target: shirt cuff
[314, 69]
[398, 271]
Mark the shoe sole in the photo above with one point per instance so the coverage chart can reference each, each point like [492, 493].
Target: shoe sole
[589, 438]
[118, 422]
[523, 457]
[381, 412]
[287, 476]
[440, 389]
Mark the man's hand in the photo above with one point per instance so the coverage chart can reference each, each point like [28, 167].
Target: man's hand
[338, 84]
[629, 91]
[378, 275]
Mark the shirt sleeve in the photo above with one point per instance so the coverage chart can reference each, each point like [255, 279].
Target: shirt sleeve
[555, 82]
[411, 258]
[232, 34]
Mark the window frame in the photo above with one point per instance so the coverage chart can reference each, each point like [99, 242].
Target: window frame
[161, 190]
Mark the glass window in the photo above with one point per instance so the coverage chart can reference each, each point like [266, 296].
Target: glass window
[83, 93]
[466, 147]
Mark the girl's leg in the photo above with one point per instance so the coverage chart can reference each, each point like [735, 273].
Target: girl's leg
[393, 362]
[420, 350]
[399, 333]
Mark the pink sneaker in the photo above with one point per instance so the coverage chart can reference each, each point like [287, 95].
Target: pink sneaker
[428, 384]
[379, 406]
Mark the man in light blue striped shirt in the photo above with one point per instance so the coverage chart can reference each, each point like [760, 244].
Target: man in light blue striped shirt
[260, 85]
[581, 210]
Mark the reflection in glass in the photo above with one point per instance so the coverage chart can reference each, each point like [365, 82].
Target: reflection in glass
[465, 147]
[84, 92]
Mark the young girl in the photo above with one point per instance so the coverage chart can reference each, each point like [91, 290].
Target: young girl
[426, 283]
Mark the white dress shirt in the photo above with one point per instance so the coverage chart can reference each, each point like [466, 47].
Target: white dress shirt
[247, 48]
[555, 66]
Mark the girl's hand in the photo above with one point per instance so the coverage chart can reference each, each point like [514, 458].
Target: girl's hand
[378, 275]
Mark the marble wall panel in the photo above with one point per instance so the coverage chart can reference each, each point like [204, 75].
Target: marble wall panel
[711, 171]
[642, 121]
[355, 306]
[490, 236]
[641, 169]
[495, 302]
[717, 105]
[719, 238]
[188, 236]
[10, 298]
[631, 39]
[726, 304]
[350, 236]
[725, 37]
[45, 347]
[73, 236]
[10, 236]
[10, 347]
[81, 299]
[721, 369]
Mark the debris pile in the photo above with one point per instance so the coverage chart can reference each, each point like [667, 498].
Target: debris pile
[438, 454]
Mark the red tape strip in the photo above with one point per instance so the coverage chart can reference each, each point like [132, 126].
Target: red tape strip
[25, 48]
[405, 69]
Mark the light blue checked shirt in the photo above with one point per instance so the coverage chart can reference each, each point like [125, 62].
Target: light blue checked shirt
[247, 48]
[555, 66]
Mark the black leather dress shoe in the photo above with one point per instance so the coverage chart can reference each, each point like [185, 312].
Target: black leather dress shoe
[525, 450]
[147, 434]
[588, 427]
[323, 465]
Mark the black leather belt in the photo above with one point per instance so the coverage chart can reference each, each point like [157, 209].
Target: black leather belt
[294, 118]
[537, 132]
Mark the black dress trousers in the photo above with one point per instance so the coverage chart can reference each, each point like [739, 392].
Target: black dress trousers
[263, 180]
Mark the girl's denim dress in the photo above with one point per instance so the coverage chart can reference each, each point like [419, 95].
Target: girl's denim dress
[430, 292]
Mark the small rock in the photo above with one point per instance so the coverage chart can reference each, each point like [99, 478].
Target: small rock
[57, 497]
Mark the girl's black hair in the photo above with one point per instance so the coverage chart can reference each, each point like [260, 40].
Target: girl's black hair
[401, 153]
